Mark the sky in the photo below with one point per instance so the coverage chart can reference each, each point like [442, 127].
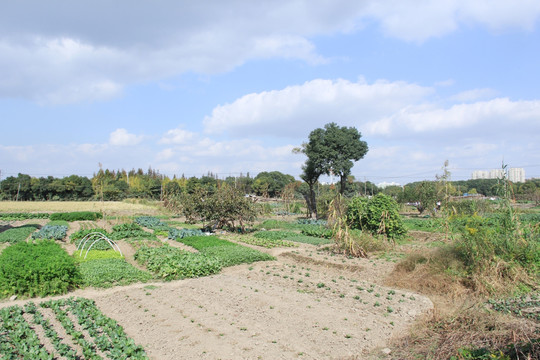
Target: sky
[232, 86]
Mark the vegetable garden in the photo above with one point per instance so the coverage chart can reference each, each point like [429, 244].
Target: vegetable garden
[320, 286]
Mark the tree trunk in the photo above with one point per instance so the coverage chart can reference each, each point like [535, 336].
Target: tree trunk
[342, 184]
[311, 201]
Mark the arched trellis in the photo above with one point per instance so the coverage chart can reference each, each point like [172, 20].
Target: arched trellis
[94, 238]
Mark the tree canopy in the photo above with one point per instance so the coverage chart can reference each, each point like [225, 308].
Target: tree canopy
[332, 150]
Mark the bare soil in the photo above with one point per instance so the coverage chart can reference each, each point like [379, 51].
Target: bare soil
[307, 304]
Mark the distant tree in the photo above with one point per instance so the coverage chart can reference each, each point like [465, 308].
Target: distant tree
[271, 183]
[333, 149]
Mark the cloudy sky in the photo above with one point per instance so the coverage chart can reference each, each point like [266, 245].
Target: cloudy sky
[230, 87]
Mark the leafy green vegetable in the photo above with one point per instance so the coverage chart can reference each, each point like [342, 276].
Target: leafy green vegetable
[56, 232]
[15, 235]
[110, 272]
[170, 263]
[37, 269]
[76, 216]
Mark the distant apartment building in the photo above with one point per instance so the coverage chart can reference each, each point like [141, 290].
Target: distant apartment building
[514, 174]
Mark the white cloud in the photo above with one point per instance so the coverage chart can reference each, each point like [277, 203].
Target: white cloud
[57, 54]
[177, 136]
[473, 95]
[488, 117]
[419, 20]
[289, 112]
[120, 137]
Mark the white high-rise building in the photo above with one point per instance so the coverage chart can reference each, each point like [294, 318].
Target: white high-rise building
[480, 174]
[516, 175]
[496, 174]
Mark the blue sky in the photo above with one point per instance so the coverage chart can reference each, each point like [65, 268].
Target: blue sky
[231, 87]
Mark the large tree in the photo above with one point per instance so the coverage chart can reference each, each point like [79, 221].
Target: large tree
[310, 176]
[332, 150]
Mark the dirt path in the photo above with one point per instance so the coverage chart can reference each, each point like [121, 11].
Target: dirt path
[307, 304]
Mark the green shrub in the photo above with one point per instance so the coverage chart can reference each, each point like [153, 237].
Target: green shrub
[378, 215]
[170, 263]
[37, 269]
[76, 216]
[15, 235]
[55, 232]
[482, 243]
[107, 272]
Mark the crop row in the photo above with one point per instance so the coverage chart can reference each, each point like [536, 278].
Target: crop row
[18, 234]
[92, 336]
[56, 232]
[67, 216]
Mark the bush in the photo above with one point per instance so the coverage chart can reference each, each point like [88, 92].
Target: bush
[378, 215]
[15, 235]
[37, 269]
[227, 207]
[77, 216]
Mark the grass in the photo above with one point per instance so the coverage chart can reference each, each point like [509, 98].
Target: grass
[470, 281]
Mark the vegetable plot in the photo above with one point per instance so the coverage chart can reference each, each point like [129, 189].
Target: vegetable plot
[91, 335]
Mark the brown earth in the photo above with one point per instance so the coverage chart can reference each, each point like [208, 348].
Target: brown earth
[307, 304]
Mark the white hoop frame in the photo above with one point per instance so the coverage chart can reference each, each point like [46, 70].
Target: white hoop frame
[96, 236]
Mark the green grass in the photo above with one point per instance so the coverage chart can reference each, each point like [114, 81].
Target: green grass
[421, 224]
[15, 235]
[311, 240]
[108, 272]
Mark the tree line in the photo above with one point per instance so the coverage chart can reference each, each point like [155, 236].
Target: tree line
[118, 185]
